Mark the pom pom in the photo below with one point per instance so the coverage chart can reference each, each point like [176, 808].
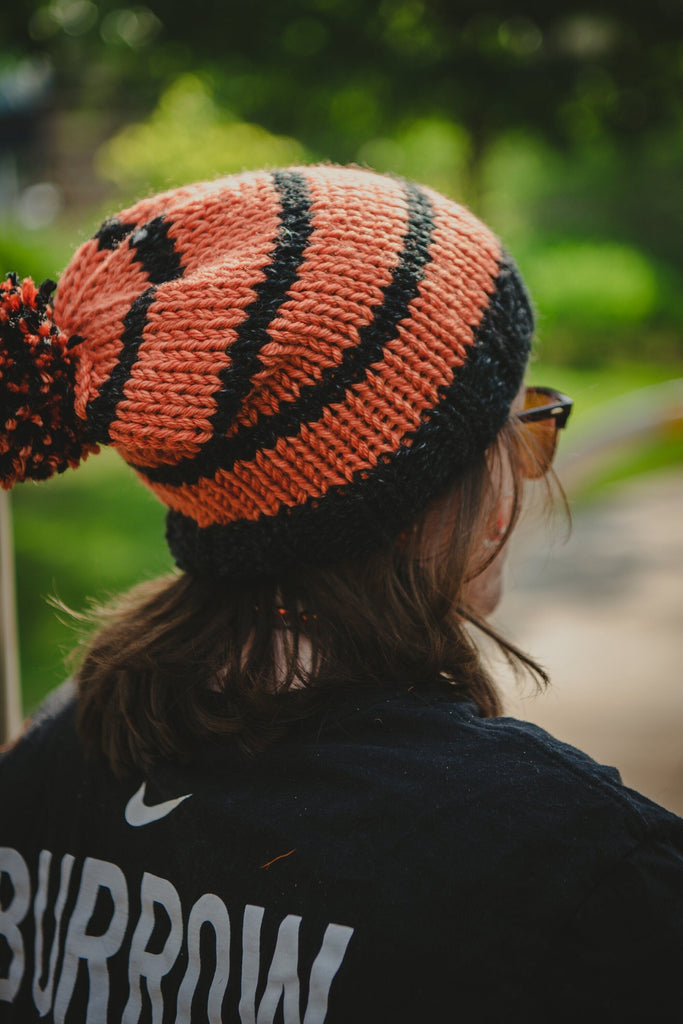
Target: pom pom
[40, 433]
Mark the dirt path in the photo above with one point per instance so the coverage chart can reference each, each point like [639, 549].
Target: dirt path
[604, 613]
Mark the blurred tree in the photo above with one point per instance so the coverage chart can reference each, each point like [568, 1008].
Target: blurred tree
[338, 73]
[188, 137]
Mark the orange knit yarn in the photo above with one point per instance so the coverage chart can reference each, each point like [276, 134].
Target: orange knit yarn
[256, 344]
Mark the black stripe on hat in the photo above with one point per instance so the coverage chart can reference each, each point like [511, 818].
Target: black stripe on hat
[372, 509]
[154, 249]
[102, 409]
[281, 272]
[222, 452]
[112, 233]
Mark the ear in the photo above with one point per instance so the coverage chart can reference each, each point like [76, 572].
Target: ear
[500, 519]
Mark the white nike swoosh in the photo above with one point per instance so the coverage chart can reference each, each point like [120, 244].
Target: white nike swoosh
[139, 813]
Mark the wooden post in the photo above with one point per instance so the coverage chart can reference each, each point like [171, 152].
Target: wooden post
[10, 687]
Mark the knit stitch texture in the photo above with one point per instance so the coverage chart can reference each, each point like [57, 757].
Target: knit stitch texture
[295, 362]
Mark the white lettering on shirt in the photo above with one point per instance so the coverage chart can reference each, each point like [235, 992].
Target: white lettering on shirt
[279, 980]
[94, 949]
[152, 966]
[208, 909]
[11, 916]
[325, 966]
[283, 977]
[42, 997]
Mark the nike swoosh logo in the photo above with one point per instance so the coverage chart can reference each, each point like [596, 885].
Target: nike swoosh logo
[139, 813]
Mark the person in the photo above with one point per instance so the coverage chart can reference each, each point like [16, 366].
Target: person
[280, 787]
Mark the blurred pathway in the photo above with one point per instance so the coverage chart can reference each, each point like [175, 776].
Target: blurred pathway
[604, 613]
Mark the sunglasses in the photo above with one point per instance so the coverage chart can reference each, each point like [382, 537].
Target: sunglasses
[544, 414]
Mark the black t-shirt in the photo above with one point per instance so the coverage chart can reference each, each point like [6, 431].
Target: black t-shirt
[399, 859]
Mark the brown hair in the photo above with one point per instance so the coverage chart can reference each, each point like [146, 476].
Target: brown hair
[185, 660]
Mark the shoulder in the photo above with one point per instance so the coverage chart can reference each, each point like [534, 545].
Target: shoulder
[527, 851]
[56, 711]
[553, 768]
[503, 760]
[48, 746]
[501, 794]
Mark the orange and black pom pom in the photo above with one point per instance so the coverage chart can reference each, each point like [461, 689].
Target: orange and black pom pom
[40, 433]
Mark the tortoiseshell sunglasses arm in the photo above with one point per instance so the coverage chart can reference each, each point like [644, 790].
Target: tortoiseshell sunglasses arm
[557, 408]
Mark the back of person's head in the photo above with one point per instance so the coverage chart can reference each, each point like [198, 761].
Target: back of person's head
[314, 369]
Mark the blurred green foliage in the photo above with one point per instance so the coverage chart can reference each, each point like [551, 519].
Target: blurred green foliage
[333, 73]
[82, 536]
[188, 137]
[593, 284]
[562, 127]
[38, 257]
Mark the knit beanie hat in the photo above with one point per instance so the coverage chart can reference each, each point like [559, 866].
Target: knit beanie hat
[295, 362]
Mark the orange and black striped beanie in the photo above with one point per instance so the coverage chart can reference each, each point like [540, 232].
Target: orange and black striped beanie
[295, 362]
